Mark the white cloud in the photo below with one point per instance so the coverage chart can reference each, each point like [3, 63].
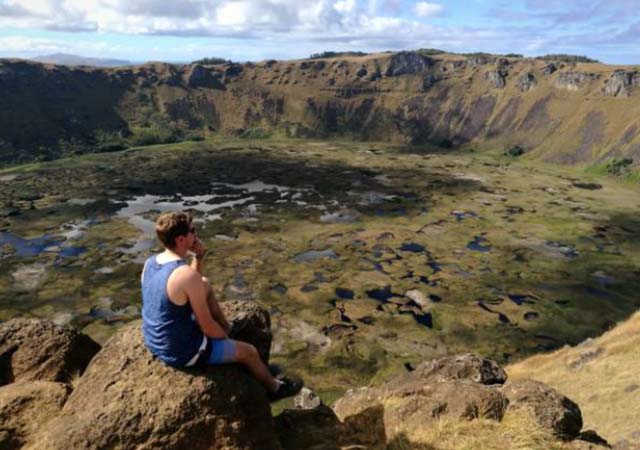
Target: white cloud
[425, 9]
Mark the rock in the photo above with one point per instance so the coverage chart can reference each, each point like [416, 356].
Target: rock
[251, 323]
[418, 297]
[25, 407]
[405, 63]
[551, 409]
[129, 399]
[527, 82]
[620, 82]
[199, 76]
[429, 81]
[233, 70]
[480, 59]
[313, 429]
[361, 72]
[402, 408]
[574, 80]
[498, 78]
[34, 349]
[549, 69]
[306, 399]
[462, 367]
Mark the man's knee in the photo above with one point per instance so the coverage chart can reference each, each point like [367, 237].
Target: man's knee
[246, 352]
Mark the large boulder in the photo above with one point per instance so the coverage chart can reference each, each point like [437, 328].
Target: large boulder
[551, 409]
[200, 76]
[34, 349]
[251, 324]
[497, 78]
[25, 407]
[129, 399]
[317, 428]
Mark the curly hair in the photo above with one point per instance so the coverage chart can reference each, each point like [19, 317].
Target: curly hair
[171, 225]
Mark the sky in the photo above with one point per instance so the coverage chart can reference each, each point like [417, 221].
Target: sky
[254, 30]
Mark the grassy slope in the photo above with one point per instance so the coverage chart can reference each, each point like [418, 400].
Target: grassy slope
[601, 375]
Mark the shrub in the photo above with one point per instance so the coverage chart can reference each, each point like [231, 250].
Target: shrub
[567, 58]
[152, 136]
[330, 54]
[211, 61]
[255, 133]
[514, 151]
[618, 167]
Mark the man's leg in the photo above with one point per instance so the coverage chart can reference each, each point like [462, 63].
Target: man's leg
[214, 307]
[248, 355]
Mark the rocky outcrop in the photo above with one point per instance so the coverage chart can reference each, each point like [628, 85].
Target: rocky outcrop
[527, 82]
[25, 406]
[199, 76]
[405, 63]
[33, 349]
[437, 389]
[481, 59]
[497, 78]
[574, 80]
[127, 399]
[620, 83]
[551, 409]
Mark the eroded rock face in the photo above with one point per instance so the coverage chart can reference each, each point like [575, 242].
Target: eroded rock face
[620, 82]
[551, 409]
[33, 349]
[527, 82]
[498, 78]
[199, 76]
[574, 80]
[403, 63]
[129, 399]
[25, 407]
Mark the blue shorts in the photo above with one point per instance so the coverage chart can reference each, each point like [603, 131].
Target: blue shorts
[219, 351]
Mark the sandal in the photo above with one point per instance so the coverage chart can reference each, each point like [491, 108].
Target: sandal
[287, 388]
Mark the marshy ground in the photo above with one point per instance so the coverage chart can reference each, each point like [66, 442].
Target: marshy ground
[370, 257]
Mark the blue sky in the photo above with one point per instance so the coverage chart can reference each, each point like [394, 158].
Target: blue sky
[142, 30]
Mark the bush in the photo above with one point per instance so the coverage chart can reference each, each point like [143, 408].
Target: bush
[335, 54]
[618, 167]
[211, 61]
[430, 51]
[515, 151]
[152, 136]
[255, 133]
[567, 58]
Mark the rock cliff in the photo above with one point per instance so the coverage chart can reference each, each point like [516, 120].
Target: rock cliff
[404, 97]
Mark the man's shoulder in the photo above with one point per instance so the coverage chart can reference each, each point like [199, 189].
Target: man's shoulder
[184, 274]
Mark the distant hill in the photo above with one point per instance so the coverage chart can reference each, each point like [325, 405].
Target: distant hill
[65, 59]
[576, 113]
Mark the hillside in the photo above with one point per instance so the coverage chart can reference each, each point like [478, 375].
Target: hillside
[562, 112]
[601, 375]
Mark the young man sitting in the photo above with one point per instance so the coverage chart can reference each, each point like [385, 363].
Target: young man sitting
[182, 322]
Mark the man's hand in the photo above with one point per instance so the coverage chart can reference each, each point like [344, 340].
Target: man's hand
[199, 249]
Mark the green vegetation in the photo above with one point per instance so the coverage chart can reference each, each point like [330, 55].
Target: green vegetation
[619, 167]
[330, 54]
[430, 51]
[567, 58]
[256, 133]
[212, 61]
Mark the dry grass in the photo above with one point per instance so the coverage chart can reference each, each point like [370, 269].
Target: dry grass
[601, 375]
[516, 432]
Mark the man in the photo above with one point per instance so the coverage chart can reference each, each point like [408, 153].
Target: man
[182, 322]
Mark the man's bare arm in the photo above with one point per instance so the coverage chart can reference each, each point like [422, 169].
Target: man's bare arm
[197, 297]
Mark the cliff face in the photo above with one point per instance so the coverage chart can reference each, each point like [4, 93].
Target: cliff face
[563, 112]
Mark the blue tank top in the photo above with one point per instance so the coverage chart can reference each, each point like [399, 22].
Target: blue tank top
[168, 329]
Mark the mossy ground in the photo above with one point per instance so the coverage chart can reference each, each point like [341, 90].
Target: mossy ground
[553, 263]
